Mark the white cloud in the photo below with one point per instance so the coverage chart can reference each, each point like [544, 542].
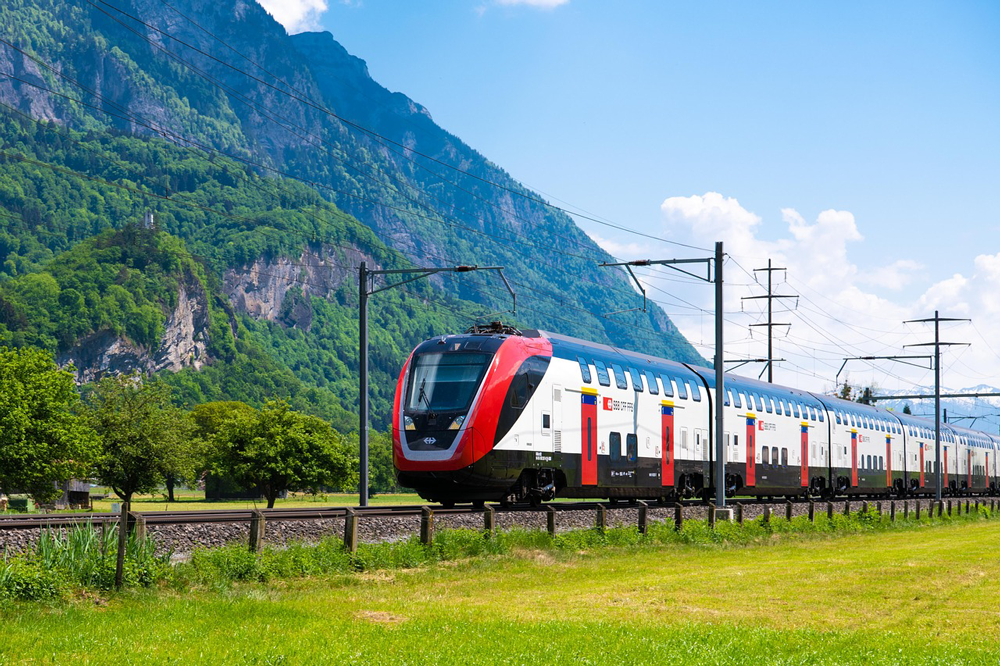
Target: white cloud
[296, 15]
[538, 4]
[623, 251]
[894, 277]
[845, 309]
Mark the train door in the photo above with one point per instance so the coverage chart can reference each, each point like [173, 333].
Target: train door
[920, 445]
[854, 458]
[888, 461]
[804, 480]
[667, 443]
[751, 465]
[588, 431]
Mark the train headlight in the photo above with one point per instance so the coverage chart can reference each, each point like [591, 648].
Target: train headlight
[457, 423]
[408, 423]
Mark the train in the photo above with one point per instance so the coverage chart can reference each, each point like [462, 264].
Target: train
[498, 414]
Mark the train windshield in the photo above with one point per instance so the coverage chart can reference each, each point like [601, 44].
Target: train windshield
[445, 382]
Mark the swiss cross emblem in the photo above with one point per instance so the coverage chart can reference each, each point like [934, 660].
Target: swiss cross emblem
[760, 425]
[608, 404]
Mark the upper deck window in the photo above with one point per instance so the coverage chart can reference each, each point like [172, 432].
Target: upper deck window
[602, 373]
[636, 379]
[681, 389]
[668, 386]
[620, 380]
[695, 390]
[584, 369]
[651, 383]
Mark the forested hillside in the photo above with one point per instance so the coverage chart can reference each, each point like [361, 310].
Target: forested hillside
[274, 164]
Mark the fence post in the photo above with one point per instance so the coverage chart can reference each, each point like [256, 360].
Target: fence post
[550, 520]
[257, 531]
[829, 510]
[678, 517]
[739, 513]
[711, 516]
[906, 509]
[788, 511]
[941, 508]
[864, 507]
[918, 510]
[766, 518]
[602, 517]
[643, 510]
[892, 511]
[426, 526]
[137, 526]
[489, 520]
[847, 508]
[949, 509]
[350, 531]
[812, 511]
[878, 508]
[966, 507]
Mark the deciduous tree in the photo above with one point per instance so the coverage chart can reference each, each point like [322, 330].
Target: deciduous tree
[43, 442]
[277, 449]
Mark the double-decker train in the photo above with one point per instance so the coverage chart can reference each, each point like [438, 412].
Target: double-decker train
[501, 415]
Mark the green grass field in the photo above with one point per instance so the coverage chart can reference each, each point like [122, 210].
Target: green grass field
[194, 500]
[921, 596]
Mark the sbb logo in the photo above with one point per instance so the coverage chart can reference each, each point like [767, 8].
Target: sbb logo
[609, 404]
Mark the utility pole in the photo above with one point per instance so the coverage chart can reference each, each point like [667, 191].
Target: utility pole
[716, 279]
[367, 288]
[771, 324]
[937, 344]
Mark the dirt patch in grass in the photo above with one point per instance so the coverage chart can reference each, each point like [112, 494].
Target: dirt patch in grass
[381, 617]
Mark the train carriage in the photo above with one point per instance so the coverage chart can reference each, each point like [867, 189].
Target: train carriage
[498, 414]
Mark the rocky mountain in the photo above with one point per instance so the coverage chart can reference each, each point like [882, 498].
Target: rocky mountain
[249, 145]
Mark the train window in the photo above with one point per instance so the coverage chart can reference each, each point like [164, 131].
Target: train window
[869, 466]
[684, 440]
[584, 369]
[728, 398]
[695, 391]
[779, 407]
[519, 391]
[615, 446]
[798, 410]
[752, 401]
[881, 463]
[681, 390]
[736, 446]
[651, 382]
[821, 417]
[602, 373]
[546, 421]
[837, 414]
[620, 380]
[736, 400]
[631, 447]
[590, 439]
[784, 457]
[768, 404]
[764, 453]
[636, 379]
[668, 386]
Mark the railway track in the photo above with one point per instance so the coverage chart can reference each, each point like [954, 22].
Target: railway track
[221, 516]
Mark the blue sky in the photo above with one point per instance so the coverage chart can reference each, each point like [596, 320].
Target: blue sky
[856, 142]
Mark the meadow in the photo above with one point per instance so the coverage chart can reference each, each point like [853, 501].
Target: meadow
[921, 595]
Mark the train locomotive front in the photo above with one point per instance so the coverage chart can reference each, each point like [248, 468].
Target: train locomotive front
[456, 396]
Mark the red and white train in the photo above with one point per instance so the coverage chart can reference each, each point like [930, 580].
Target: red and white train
[501, 415]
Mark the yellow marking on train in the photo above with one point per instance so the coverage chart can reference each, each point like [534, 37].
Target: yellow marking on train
[854, 431]
[750, 415]
[806, 424]
[667, 403]
[588, 391]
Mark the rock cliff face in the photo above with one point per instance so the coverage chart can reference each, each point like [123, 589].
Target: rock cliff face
[183, 345]
[262, 288]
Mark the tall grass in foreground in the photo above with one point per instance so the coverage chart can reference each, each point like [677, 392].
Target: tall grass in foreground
[84, 557]
[80, 557]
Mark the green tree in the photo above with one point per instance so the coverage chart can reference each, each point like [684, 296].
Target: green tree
[143, 437]
[43, 442]
[906, 409]
[277, 449]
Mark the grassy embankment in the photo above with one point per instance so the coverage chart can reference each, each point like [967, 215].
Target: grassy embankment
[921, 595]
